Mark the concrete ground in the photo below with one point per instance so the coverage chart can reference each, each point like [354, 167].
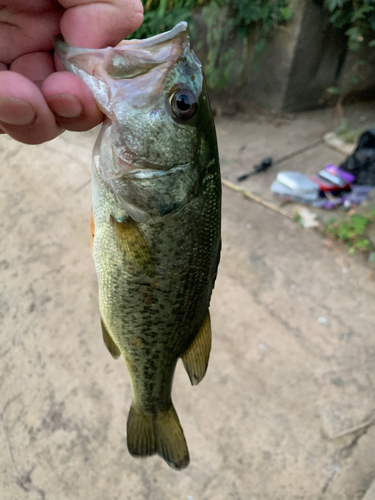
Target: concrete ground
[287, 408]
[251, 139]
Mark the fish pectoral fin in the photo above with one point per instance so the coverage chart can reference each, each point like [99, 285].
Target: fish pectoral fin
[161, 433]
[196, 357]
[134, 246]
[111, 346]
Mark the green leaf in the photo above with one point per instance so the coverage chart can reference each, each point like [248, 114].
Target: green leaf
[162, 7]
[359, 224]
[371, 43]
[354, 45]
[332, 220]
[335, 91]
[361, 12]
[363, 244]
[338, 19]
[259, 47]
[354, 34]
[344, 233]
[286, 13]
[332, 4]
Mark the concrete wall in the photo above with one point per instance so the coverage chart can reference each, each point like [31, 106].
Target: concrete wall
[268, 85]
[362, 66]
[317, 62]
[301, 60]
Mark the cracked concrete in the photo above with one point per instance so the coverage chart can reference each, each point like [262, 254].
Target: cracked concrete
[288, 404]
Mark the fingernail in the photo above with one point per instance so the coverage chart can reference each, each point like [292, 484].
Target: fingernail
[14, 111]
[65, 105]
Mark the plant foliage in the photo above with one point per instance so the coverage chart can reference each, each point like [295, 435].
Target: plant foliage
[224, 20]
[352, 231]
[357, 17]
[162, 15]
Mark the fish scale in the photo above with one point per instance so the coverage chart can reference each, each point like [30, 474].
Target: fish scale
[155, 223]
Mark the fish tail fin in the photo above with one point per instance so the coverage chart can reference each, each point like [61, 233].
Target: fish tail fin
[170, 440]
[159, 433]
[140, 433]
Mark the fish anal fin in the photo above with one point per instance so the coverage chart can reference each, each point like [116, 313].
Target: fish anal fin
[161, 433]
[196, 357]
[111, 346]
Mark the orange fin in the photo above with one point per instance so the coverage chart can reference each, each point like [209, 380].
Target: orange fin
[196, 357]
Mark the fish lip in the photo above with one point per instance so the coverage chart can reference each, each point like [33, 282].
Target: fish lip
[151, 171]
[139, 168]
[151, 174]
[140, 165]
[180, 29]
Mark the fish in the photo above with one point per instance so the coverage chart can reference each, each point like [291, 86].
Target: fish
[155, 223]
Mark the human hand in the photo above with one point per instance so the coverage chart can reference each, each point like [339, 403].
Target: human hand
[38, 100]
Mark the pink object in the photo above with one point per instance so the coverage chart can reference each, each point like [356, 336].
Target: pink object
[345, 176]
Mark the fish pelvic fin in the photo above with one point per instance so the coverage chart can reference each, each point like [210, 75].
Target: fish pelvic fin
[161, 433]
[196, 357]
[111, 346]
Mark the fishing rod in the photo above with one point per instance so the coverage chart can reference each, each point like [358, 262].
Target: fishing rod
[268, 162]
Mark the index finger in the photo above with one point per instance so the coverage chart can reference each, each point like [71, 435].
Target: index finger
[96, 24]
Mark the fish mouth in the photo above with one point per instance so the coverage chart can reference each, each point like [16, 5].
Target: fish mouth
[181, 30]
[142, 169]
[153, 173]
[158, 49]
[125, 164]
[134, 68]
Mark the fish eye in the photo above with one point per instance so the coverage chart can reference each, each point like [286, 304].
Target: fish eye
[183, 104]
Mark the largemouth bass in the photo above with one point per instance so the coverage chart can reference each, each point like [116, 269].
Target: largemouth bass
[156, 195]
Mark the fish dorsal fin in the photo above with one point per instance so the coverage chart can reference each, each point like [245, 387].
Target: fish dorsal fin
[196, 357]
[111, 346]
